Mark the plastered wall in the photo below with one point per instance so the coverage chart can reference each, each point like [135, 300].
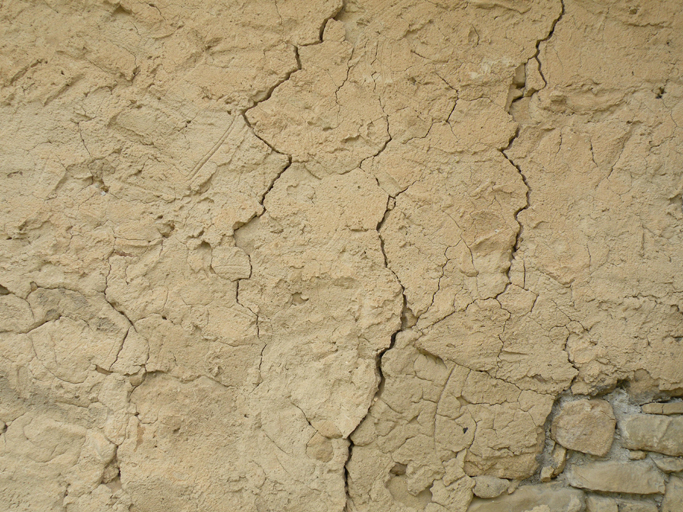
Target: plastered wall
[361, 256]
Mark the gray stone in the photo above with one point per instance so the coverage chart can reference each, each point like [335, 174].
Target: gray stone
[627, 477]
[586, 426]
[601, 504]
[553, 496]
[673, 500]
[667, 464]
[663, 434]
[489, 486]
[667, 408]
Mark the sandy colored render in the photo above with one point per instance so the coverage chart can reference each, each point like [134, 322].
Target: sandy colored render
[341, 256]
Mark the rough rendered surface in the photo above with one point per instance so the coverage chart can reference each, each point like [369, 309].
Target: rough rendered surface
[341, 255]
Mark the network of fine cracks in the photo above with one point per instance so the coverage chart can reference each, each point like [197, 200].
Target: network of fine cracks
[514, 250]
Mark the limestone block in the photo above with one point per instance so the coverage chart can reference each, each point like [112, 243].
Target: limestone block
[637, 506]
[665, 408]
[601, 504]
[546, 474]
[585, 426]
[668, 464]
[613, 476]
[489, 486]
[654, 433]
[559, 459]
[673, 499]
[555, 497]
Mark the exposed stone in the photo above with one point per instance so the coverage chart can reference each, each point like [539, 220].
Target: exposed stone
[559, 459]
[555, 497]
[668, 464]
[489, 486]
[637, 506]
[636, 455]
[613, 476]
[673, 499]
[601, 504]
[585, 426]
[663, 408]
[653, 433]
[546, 473]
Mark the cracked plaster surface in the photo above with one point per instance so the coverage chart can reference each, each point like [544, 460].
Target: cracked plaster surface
[293, 256]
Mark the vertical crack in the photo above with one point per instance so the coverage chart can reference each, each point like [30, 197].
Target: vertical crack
[406, 323]
[546, 38]
[265, 97]
[518, 237]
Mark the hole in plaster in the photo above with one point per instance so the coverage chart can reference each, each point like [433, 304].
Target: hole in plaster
[398, 469]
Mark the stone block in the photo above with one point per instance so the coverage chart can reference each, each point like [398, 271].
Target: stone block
[601, 504]
[668, 464]
[667, 408]
[673, 500]
[552, 497]
[489, 486]
[612, 476]
[586, 426]
[637, 506]
[662, 434]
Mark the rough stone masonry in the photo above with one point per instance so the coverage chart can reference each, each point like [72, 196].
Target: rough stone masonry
[327, 256]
